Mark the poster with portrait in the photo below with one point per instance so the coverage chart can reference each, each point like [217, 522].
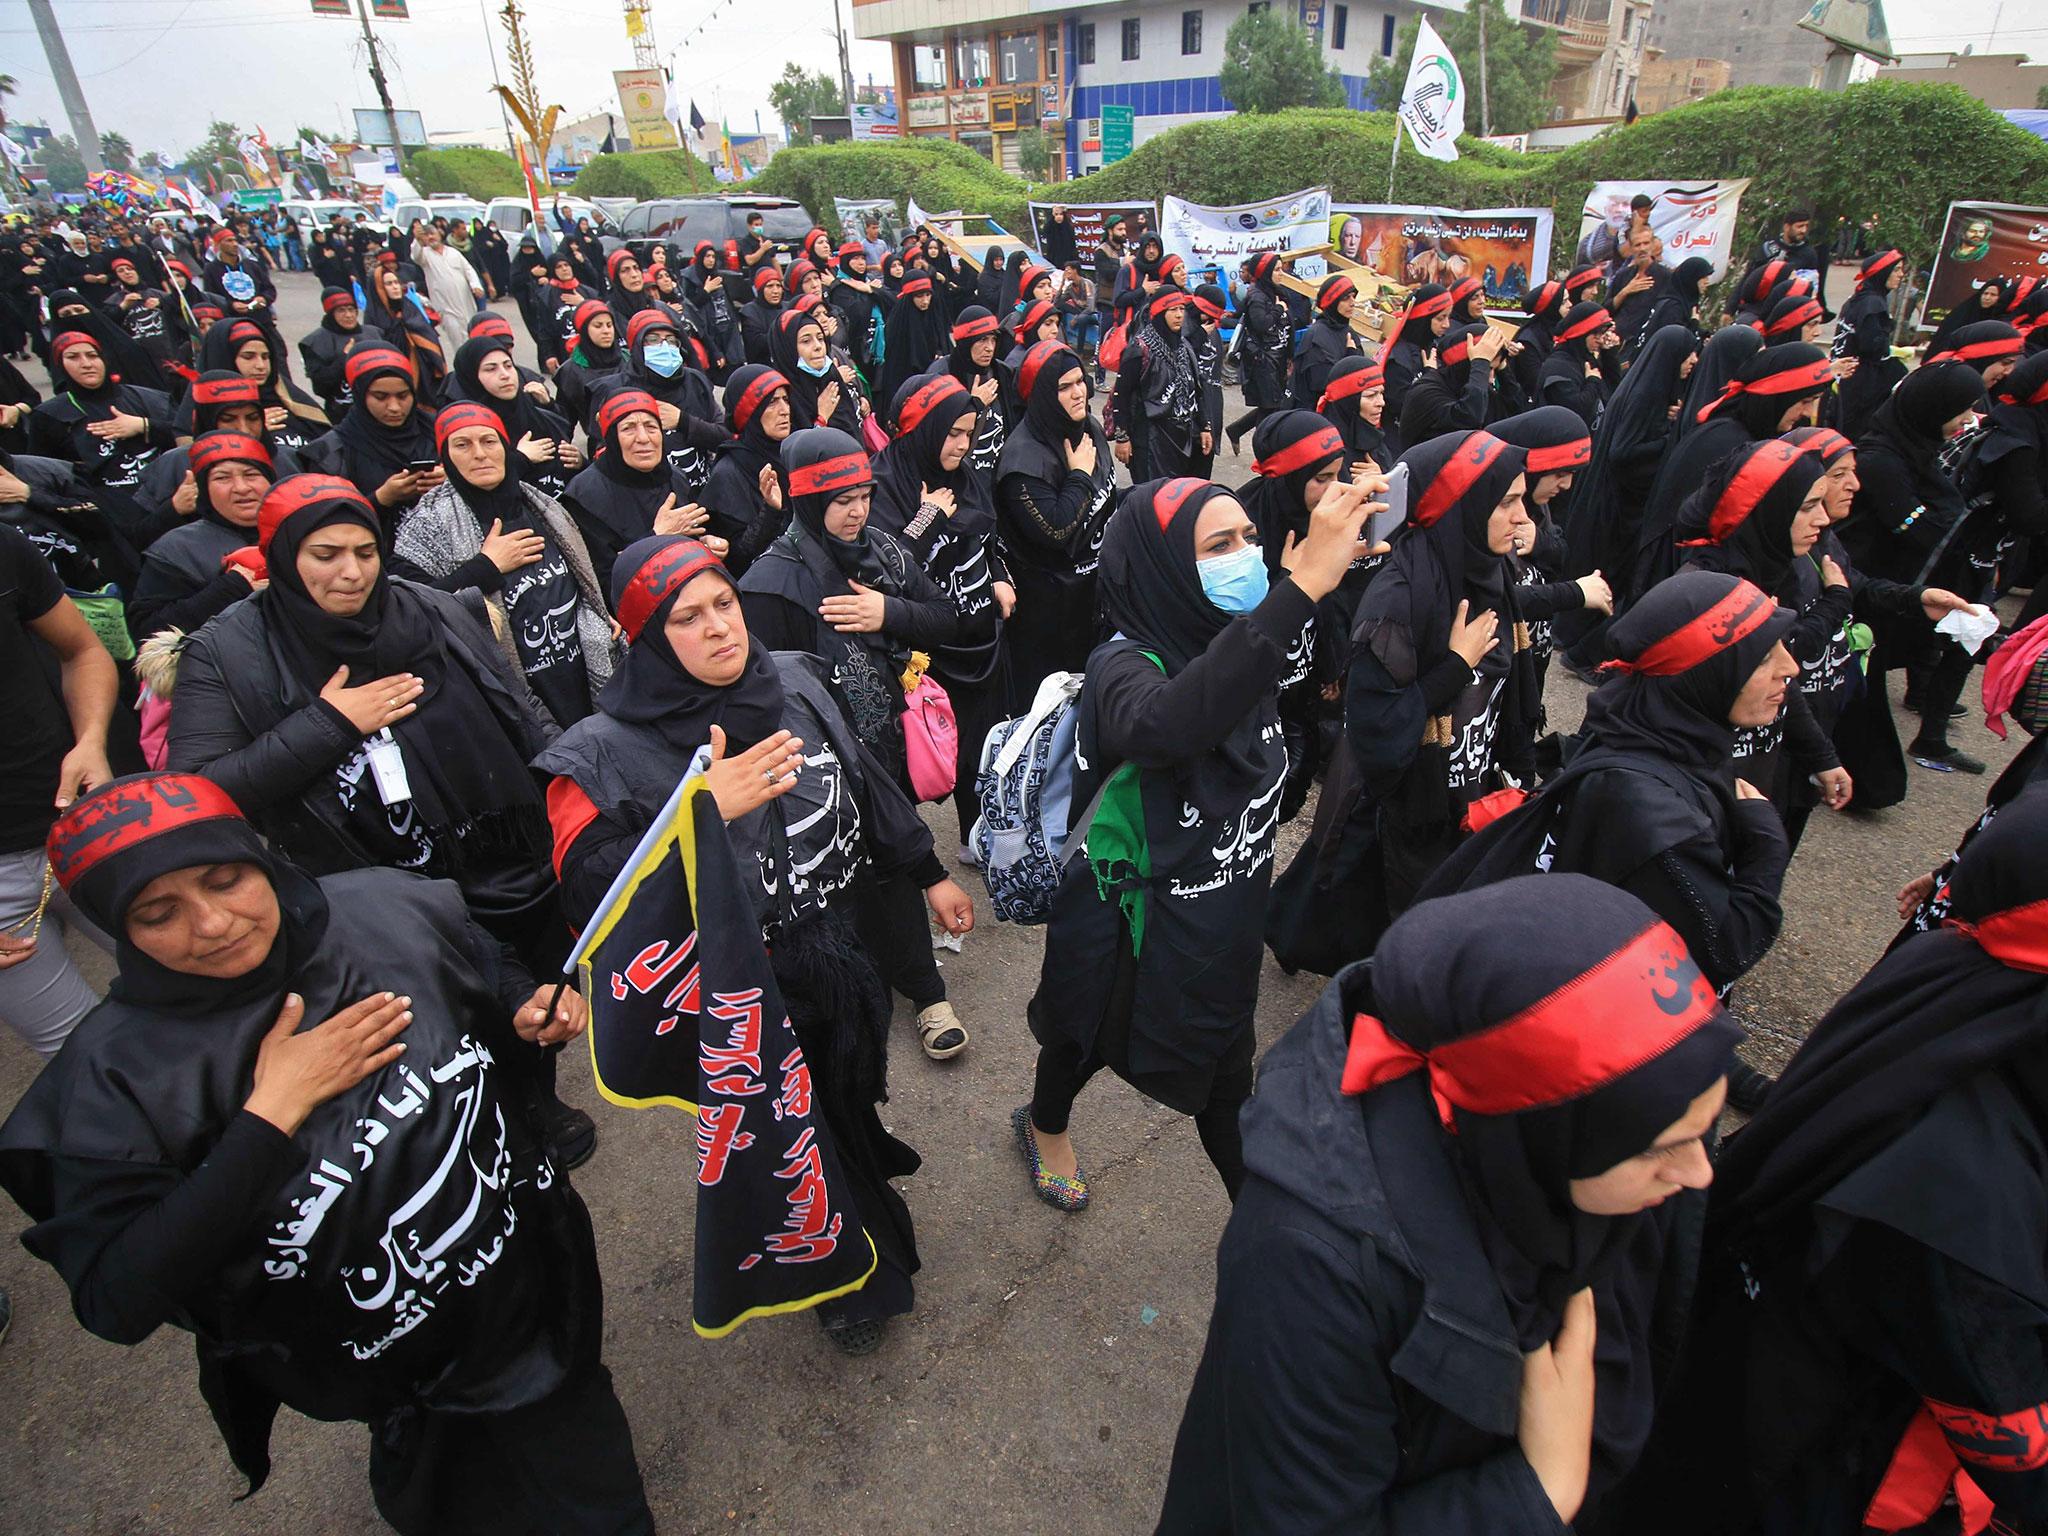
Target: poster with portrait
[1089, 220]
[1696, 218]
[1981, 241]
[1219, 239]
[1507, 249]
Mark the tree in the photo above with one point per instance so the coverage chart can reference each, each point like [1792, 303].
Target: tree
[1271, 62]
[800, 95]
[63, 164]
[219, 145]
[1520, 63]
[2040, 97]
[1034, 153]
[117, 152]
[154, 163]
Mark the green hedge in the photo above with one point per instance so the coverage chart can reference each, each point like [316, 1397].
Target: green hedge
[1893, 151]
[644, 174]
[478, 173]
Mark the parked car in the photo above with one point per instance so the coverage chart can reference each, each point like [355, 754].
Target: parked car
[513, 216]
[680, 222]
[317, 213]
[448, 206]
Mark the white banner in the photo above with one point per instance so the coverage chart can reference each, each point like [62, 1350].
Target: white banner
[1691, 218]
[1433, 100]
[1220, 238]
[1507, 249]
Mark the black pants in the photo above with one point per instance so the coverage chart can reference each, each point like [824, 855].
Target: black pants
[1063, 1071]
[976, 708]
[1940, 689]
[890, 917]
[562, 1465]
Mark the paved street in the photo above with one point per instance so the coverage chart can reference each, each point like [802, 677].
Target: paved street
[1037, 1386]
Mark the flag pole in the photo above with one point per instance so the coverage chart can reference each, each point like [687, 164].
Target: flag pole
[1395, 159]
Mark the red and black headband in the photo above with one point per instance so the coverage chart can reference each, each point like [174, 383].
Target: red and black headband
[365, 361]
[928, 399]
[767, 275]
[754, 396]
[1556, 458]
[1574, 281]
[213, 448]
[1323, 443]
[1801, 379]
[1744, 611]
[1334, 292]
[1343, 386]
[627, 402]
[917, 282]
[1879, 264]
[966, 330]
[828, 477]
[1165, 299]
[64, 341]
[1546, 1054]
[295, 493]
[1034, 363]
[1033, 316]
[1172, 496]
[1435, 304]
[1463, 289]
[1981, 351]
[1587, 325]
[341, 298]
[244, 330]
[1262, 264]
[1793, 318]
[589, 310]
[491, 325]
[463, 414]
[618, 259]
[1766, 465]
[1473, 458]
[121, 816]
[667, 571]
[237, 391]
[647, 320]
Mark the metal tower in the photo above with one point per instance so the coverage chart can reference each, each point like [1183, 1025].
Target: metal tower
[641, 30]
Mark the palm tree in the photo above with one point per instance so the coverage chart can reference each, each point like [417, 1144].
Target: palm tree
[117, 151]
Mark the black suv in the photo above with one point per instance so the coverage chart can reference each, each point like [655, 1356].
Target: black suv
[680, 222]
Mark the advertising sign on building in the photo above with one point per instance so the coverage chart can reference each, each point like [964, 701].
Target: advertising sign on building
[1691, 218]
[928, 112]
[1507, 249]
[1088, 221]
[1981, 241]
[970, 110]
[875, 120]
[643, 93]
[1220, 238]
[1118, 127]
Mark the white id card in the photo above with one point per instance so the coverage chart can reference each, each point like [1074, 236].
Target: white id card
[388, 764]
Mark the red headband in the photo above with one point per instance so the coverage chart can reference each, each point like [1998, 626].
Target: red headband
[612, 262]
[295, 493]
[754, 396]
[1882, 263]
[466, 413]
[1039, 312]
[1547, 295]
[1170, 298]
[766, 276]
[1463, 289]
[1040, 354]
[668, 570]
[1172, 496]
[226, 392]
[1435, 304]
[1209, 307]
[63, 341]
[1597, 321]
[916, 283]
[1768, 275]
[831, 476]
[1343, 386]
[1998, 346]
[626, 402]
[1262, 264]
[212, 448]
[2017, 937]
[368, 360]
[341, 299]
[1828, 443]
[2038, 397]
[1574, 281]
[1335, 292]
[1769, 464]
[1319, 445]
[1793, 381]
[491, 325]
[1456, 352]
[589, 310]
[1474, 457]
[1628, 1010]
[1745, 610]
[648, 320]
[1555, 458]
[1808, 310]
[112, 822]
[929, 399]
[967, 330]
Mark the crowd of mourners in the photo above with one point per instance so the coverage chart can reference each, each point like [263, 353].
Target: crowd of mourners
[345, 673]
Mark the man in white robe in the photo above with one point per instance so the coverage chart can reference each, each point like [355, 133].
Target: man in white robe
[453, 287]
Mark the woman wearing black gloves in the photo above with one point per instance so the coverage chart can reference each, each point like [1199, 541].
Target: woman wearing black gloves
[743, 496]
[356, 1218]
[1153, 950]
[486, 531]
[185, 578]
[809, 810]
[1457, 1161]
[1055, 491]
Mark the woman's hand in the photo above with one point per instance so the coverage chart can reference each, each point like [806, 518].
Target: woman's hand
[1320, 560]
[1835, 787]
[509, 551]
[671, 416]
[1744, 790]
[1915, 893]
[1081, 455]
[274, 418]
[1842, 367]
[118, 425]
[375, 704]
[406, 486]
[828, 404]
[986, 390]
[856, 612]
[951, 906]
[688, 520]
[538, 390]
[942, 498]
[1831, 575]
[759, 774]
[1938, 602]
[846, 372]
[1555, 1423]
[536, 449]
[185, 499]
[536, 1025]
[1006, 597]
[569, 455]
[1472, 638]
[1121, 448]
[297, 1073]
[1595, 592]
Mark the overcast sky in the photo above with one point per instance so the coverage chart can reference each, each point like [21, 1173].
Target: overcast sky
[160, 70]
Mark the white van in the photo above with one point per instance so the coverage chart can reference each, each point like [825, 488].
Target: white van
[513, 216]
[316, 213]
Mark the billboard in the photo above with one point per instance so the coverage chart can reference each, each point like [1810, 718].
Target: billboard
[1220, 238]
[1088, 220]
[1507, 249]
[372, 129]
[643, 94]
[1982, 241]
[1691, 218]
[876, 120]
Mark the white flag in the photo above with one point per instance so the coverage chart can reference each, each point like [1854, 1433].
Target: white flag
[16, 155]
[1433, 101]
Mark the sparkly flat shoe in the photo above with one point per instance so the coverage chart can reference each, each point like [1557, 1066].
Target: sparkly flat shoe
[1056, 1190]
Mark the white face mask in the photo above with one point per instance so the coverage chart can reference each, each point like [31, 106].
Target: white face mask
[816, 370]
[664, 358]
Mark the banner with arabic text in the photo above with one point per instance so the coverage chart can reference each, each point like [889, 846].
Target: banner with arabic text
[1696, 218]
[1982, 241]
[1219, 239]
[1507, 249]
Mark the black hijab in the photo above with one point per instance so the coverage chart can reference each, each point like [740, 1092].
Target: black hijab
[805, 388]
[611, 459]
[1464, 985]
[1970, 311]
[747, 392]
[973, 324]
[651, 686]
[1725, 352]
[817, 464]
[1740, 520]
[1766, 385]
[1288, 448]
[925, 411]
[376, 451]
[521, 416]
[1349, 381]
[214, 448]
[1037, 444]
[1600, 532]
[1970, 997]
[504, 502]
[1908, 425]
[913, 338]
[1424, 305]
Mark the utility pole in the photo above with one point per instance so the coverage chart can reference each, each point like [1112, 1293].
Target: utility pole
[377, 78]
[1485, 111]
[75, 109]
[490, 44]
[640, 32]
[845, 65]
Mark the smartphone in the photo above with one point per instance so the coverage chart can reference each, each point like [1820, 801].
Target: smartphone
[423, 466]
[1379, 528]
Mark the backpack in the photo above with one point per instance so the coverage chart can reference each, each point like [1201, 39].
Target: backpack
[1109, 352]
[1026, 788]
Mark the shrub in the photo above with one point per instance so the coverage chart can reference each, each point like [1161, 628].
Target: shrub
[645, 174]
[479, 173]
[937, 173]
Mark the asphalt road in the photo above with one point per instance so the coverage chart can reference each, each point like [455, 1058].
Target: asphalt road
[1036, 1387]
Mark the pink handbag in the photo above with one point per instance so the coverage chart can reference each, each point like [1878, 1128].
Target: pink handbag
[931, 739]
[874, 437]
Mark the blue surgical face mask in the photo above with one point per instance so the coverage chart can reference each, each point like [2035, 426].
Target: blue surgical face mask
[816, 370]
[1235, 582]
[665, 358]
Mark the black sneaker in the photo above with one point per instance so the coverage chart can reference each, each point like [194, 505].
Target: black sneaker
[1747, 1087]
[861, 1336]
[1944, 759]
[571, 1134]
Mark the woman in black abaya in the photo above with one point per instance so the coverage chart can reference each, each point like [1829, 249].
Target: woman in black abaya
[657, 361]
[812, 817]
[819, 395]
[1545, 306]
[291, 420]
[1677, 303]
[186, 578]
[398, 318]
[1327, 341]
[629, 490]
[1158, 404]
[1263, 348]
[973, 362]
[384, 434]
[743, 496]
[1460, 1160]
[1427, 317]
[1866, 1344]
[183, 1163]
[108, 429]
[916, 335]
[1572, 376]
[1354, 401]
[545, 442]
[1863, 332]
[1722, 356]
